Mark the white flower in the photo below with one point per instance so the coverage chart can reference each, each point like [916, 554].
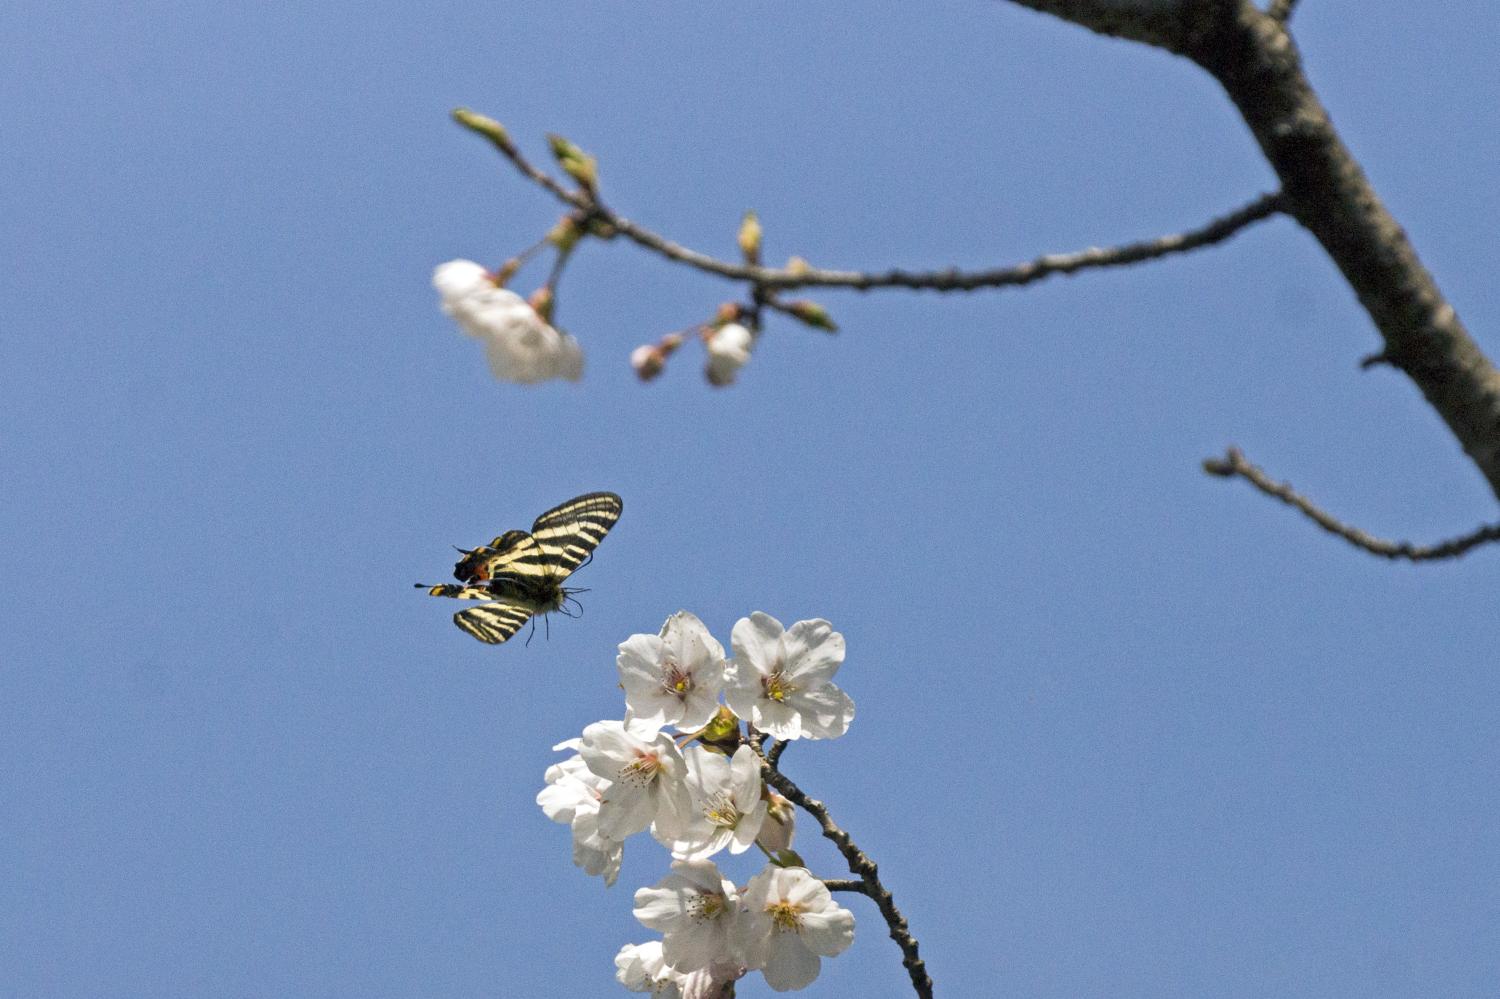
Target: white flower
[781, 679]
[695, 909]
[674, 678]
[519, 345]
[790, 919]
[709, 983]
[572, 797]
[468, 293]
[522, 348]
[645, 775]
[728, 351]
[727, 807]
[640, 968]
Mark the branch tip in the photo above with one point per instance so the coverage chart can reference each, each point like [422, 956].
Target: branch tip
[1234, 463]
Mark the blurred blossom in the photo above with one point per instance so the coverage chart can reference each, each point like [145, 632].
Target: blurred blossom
[728, 351]
[520, 346]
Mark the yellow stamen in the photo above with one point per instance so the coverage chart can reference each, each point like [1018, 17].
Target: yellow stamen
[785, 916]
[709, 906]
[641, 770]
[776, 686]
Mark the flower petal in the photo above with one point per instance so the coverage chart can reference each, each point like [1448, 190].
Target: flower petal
[828, 932]
[757, 642]
[814, 652]
[825, 712]
[790, 965]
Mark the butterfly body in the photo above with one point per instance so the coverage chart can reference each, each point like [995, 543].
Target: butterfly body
[522, 573]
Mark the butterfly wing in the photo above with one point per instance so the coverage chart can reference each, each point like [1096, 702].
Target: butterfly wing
[511, 552]
[520, 574]
[568, 533]
[493, 623]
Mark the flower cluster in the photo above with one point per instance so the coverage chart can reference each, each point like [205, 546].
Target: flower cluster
[519, 343]
[700, 793]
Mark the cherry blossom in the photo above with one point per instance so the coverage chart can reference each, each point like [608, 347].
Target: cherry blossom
[781, 679]
[729, 349]
[696, 910]
[644, 771]
[790, 920]
[727, 808]
[675, 677]
[572, 797]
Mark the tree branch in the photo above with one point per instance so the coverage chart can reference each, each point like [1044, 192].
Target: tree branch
[1163, 23]
[1253, 57]
[1281, 10]
[946, 280]
[1234, 464]
[860, 865]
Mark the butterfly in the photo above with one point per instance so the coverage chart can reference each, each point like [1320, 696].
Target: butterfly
[521, 573]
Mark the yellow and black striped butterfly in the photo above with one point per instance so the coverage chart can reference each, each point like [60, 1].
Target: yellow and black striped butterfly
[522, 573]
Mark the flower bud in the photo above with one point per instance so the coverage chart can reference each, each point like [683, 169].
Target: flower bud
[749, 238]
[648, 360]
[812, 314]
[575, 162]
[798, 266]
[487, 127]
[780, 825]
[566, 234]
[542, 300]
[507, 270]
[722, 733]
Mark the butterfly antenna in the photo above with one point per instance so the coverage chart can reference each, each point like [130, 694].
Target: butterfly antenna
[531, 634]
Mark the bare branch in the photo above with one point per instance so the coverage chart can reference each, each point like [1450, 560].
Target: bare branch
[1162, 23]
[1254, 58]
[860, 865]
[946, 280]
[835, 884]
[1281, 10]
[1234, 464]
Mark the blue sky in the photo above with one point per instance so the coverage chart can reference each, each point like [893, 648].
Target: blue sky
[1123, 730]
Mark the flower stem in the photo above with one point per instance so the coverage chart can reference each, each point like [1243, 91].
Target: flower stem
[860, 865]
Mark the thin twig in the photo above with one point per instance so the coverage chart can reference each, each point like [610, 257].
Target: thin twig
[860, 865]
[1234, 464]
[774, 756]
[950, 279]
[1281, 10]
[837, 884]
